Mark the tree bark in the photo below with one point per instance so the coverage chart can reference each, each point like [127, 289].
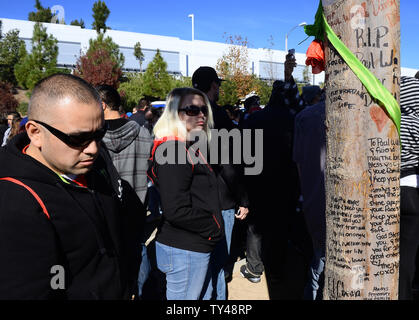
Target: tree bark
[363, 155]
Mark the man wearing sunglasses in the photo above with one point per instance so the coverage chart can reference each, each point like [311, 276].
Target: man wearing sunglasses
[64, 210]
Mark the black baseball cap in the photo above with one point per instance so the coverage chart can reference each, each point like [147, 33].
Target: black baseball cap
[203, 77]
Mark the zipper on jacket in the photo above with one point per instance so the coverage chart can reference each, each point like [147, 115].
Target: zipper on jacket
[114, 255]
[98, 235]
[219, 227]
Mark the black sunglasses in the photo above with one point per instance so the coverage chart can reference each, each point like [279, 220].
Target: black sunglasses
[194, 110]
[79, 140]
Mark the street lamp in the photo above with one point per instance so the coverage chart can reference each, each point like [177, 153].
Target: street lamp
[193, 22]
[286, 36]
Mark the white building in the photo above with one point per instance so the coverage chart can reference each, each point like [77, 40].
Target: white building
[183, 57]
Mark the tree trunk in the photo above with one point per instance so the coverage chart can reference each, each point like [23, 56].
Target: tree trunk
[363, 155]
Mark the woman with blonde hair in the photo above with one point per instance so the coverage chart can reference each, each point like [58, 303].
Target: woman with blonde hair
[191, 223]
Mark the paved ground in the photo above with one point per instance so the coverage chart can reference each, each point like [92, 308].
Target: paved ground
[240, 288]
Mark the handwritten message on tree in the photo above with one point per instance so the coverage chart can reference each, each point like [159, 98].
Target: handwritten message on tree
[363, 155]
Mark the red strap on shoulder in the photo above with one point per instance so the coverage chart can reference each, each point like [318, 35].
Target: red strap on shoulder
[34, 194]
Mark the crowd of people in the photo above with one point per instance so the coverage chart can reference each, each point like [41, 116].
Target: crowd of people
[82, 184]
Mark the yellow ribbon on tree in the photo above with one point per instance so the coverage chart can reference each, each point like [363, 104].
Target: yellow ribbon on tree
[374, 87]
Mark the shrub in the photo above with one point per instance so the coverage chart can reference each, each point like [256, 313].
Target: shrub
[98, 68]
[7, 101]
[131, 91]
[102, 62]
[23, 108]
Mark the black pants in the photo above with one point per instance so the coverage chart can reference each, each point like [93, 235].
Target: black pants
[409, 240]
[254, 248]
[267, 248]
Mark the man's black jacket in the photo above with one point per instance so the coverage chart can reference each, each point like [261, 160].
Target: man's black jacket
[231, 187]
[276, 189]
[93, 232]
[139, 117]
[3, 129]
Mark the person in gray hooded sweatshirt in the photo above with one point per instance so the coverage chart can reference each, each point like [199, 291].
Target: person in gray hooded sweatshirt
[129, 144]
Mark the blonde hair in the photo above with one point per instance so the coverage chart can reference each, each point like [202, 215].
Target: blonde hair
[170, 124]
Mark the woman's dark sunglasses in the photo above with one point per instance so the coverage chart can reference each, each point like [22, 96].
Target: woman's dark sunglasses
[194, 110]
[79, 140]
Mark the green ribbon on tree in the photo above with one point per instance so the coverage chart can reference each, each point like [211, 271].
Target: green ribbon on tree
[375, 88]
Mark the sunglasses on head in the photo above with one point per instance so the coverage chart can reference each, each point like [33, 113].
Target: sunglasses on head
[194, 110]
[77, 140]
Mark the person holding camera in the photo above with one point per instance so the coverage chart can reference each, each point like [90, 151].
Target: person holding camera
[273, 208]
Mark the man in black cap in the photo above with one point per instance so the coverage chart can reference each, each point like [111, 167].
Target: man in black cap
[206, 80]
[232, 193]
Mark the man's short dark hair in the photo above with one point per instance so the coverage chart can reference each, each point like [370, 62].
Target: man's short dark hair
[143, 103]
[110, 96]
[59, 86]
[15, 114]
[417, 75]
[310, 93]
